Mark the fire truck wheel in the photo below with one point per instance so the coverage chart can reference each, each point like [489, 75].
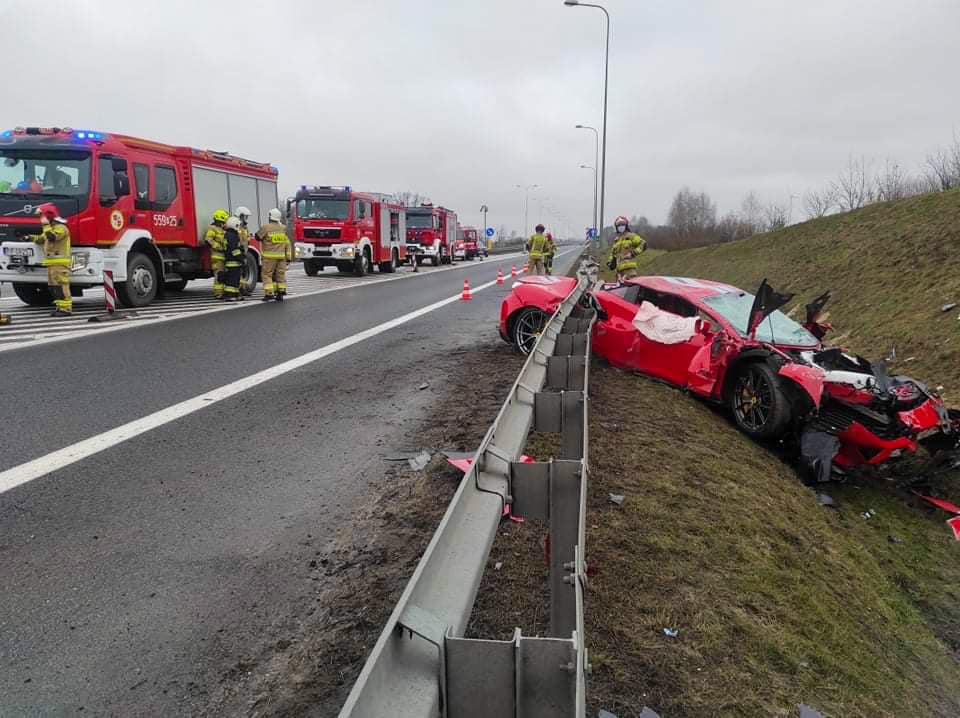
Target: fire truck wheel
[141, 285]
[391, 266]
[345, 267]
[36, 295]
[251, 274]
[362, 264]
[312, 267]
[175, 286]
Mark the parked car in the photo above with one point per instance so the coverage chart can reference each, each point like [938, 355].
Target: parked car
[738, 349]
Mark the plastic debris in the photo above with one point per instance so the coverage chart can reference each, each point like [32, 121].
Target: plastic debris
[954, 525]
[825, 500]
[671, 632]
[868, 514]
[423, 386]
[808, 712]
[498, 565]
[894, 539]
[948, 307]
[418, 462]
[617, 499]
[648, 713]
[606, 714]
[940, 503]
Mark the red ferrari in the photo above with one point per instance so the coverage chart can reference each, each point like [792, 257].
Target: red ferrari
[739, 350]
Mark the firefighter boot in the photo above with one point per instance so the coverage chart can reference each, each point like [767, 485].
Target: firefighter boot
[280, 295]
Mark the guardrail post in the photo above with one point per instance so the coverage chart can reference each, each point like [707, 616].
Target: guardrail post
[564, 529]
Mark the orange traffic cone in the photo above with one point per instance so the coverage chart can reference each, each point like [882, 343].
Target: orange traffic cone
[466, 289]
[513, 270]
[499, 276]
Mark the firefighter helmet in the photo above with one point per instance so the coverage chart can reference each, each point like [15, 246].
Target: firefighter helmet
[242, 212]
[548, 235]
[232, 223]
[48, 210]
[621, 220]
[220, 215]
[539, 228]
[274, 215]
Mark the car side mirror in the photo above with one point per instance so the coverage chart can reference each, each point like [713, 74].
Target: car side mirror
[121, 184]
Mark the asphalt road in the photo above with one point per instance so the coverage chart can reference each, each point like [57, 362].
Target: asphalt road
[135, 574]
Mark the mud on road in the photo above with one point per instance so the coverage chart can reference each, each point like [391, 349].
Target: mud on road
[309, 661]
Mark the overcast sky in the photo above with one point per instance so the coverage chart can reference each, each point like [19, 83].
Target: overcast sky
[461, 101]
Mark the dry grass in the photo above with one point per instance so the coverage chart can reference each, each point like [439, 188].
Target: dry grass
[777, 600]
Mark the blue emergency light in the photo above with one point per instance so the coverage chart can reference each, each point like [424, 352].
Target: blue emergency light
[88, 135]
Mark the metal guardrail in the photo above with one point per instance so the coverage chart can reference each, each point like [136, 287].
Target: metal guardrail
[421, 665]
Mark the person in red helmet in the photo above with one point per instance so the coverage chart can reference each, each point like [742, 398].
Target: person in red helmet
[55, 240]
[626, 247]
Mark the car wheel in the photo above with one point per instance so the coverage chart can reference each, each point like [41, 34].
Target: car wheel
[760, 407]
[36, 295]
[142, 282]
[527, 327]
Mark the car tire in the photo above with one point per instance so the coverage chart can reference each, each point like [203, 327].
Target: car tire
[526, 327]
[362, 264]
[142, 282]
[312, 267]
[761, 408]
[35, 295]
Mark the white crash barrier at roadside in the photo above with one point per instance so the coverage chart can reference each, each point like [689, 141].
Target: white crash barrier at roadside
[663, 327]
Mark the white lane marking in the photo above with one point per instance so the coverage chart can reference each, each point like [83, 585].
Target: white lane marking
[41, 337]
[19, 475]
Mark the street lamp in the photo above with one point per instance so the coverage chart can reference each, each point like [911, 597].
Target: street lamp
[526, 205]
[596, 163]
[483, 210]
[606, 77]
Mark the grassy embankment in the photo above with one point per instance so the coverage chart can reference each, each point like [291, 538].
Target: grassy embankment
[777, 599]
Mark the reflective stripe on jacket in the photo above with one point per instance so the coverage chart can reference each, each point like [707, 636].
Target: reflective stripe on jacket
[55, 238]
[626, 248]
[214, 237]
[538, 244]
[274, 241]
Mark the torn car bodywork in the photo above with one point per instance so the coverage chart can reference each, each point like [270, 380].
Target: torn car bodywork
[739, 350]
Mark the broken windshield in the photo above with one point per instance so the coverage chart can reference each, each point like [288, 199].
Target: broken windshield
[55, 173]
[777, 328]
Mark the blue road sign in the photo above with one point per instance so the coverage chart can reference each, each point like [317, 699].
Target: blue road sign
[490, 232]
[591, 232]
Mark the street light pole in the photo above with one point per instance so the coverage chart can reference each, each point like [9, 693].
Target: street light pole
[596, 164]
[588, 167]
[526, 206]
[606, 78]
[483, 209]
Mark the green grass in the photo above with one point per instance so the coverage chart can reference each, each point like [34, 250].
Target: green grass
[779, 600]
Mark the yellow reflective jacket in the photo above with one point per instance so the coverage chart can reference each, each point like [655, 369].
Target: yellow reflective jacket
[244, 236]
[217, 240]
[625, 250]
[538, 246]
[274, 241]
[551, 248]
[55, 238]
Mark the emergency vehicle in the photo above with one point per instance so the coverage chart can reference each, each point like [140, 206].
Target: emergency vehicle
[352, 231]
[134, 207]
[467, 244]
[432, 233]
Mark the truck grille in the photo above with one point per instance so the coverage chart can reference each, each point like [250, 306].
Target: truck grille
[321, 233]
[17, 232]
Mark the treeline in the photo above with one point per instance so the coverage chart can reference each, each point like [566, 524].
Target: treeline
[693, 222]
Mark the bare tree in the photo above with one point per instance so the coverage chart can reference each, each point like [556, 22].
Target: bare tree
[942, 167]
[891, 183]
[852, 187]
[819, 203]
[776, 215]
[409, 198]
[692, 213]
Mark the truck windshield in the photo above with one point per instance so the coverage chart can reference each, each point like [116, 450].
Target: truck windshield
[323, 209]
[778, 328]
[419, 221]
[55, 173]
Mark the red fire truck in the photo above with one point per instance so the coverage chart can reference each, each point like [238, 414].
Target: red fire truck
[467, 247]
[431, 233]
[352, 231]
[135, 207]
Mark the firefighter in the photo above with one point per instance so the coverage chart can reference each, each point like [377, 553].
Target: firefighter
[276, 253]
[627, 246]
[214, 238]
[537, 248]
[549, 253]
[233, 262]
[243, 214]
[55, 238]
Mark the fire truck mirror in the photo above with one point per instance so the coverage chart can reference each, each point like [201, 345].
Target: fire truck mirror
[121, 184]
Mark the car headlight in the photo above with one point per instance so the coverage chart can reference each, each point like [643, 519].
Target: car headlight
[79, 261]
[349, 251]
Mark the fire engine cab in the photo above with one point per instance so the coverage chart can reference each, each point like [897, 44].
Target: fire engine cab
[352, 231]
[431, 233]
[467, 247]
[134, 207]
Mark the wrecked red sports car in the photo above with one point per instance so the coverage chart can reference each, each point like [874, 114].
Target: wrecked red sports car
[739, 350]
